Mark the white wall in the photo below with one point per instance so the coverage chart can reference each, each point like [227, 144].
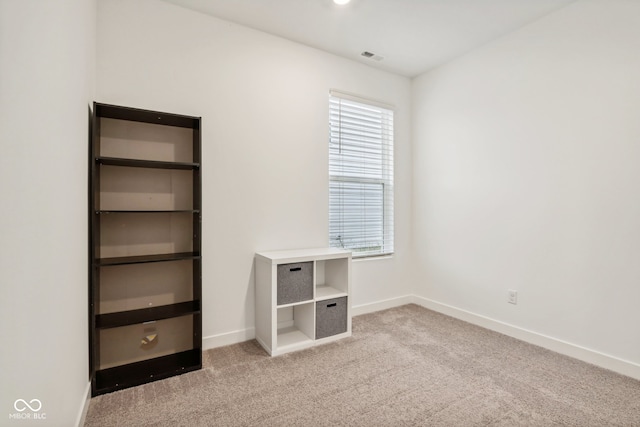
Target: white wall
[46, 83]
[264, 104]
[527, 177]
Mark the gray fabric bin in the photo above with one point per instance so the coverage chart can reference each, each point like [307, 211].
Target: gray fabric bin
[331, 317]
[295, 282]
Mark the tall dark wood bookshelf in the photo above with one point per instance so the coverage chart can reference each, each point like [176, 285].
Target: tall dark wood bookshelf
[145, 208]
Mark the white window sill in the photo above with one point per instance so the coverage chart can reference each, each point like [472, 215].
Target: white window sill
[372, 258]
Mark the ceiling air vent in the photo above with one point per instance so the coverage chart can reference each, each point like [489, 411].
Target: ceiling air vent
[372, 55]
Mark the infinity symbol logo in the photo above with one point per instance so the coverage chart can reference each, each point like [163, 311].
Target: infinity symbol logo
[37, 405]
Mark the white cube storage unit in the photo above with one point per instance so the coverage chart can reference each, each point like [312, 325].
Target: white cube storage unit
[302, 298]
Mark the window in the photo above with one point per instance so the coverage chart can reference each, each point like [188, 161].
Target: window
[360, 175]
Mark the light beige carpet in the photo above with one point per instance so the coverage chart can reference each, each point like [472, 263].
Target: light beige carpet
[403, 366]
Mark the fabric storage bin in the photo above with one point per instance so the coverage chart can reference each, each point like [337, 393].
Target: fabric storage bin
[331, 317]
[295, 282]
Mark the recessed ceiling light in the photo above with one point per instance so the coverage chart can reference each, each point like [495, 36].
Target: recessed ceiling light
[341, 2]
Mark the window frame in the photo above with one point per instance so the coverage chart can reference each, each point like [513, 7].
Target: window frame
[385, 180]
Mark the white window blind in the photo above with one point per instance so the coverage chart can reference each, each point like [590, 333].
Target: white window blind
[361, 176]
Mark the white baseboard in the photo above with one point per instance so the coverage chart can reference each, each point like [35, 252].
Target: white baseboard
[381, 305]
[228, 338]
[84, 406]
[597, 358]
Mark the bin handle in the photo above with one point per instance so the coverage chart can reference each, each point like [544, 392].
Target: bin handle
[295, 269]
[332, 305]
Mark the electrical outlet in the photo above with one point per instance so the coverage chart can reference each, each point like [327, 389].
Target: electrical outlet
[513, 297]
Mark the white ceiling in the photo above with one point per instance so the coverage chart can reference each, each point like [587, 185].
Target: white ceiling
[412, 36]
